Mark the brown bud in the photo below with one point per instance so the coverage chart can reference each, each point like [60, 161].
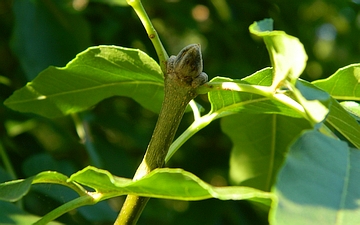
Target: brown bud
[188, 63]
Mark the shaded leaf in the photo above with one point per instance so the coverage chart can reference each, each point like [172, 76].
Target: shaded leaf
[260, 143]
[46, 34]
[318, 183]
[287, 54]
[315, 102]
[95, 74]
[12, 215]
[16, 189]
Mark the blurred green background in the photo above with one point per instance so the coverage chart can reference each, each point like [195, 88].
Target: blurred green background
[35, 34]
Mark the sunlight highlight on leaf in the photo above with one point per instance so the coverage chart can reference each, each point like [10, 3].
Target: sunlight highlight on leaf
[227, 102]
[343, 84]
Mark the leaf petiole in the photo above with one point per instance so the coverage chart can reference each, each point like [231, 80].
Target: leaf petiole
[73, 204]
[201, 122]
[197, 125]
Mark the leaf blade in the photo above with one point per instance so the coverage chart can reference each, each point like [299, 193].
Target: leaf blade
[343, 84]
[95, 74]
[318, 183]
[164, 183]
[14, 190]
[286, 52]
[258, 153]
[225, 102]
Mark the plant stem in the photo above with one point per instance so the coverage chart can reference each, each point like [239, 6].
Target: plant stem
[150, 30]
[73, 204]
[197, 125]
[84, 133]
[6, 161]
[173, 107]
[183, 76]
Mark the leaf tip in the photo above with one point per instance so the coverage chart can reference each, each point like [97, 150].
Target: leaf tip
[262, 26]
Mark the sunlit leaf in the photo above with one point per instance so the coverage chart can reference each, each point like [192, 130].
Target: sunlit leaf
[344, 122]
[164, 183]
[352, 107]
[319, 183]
[260, 143]
[343, 84]
[287, 54]
[95, 74]
[226, 102]
[161, 183]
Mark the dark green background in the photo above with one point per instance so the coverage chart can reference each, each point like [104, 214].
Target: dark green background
[39, 33]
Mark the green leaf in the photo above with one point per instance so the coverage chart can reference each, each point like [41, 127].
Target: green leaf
[12, 215]
[343, 84]
[315, 102]
[161, 183]
[45, 33]
[352, 107]
[226, 102]
[318, 184]
[260, 143]
[95, 74]
[16, 189]
[344, 122]
[287, 54]
[164, 183]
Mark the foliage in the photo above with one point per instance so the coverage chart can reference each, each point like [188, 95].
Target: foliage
[294, 146]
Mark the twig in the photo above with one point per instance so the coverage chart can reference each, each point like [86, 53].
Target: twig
[183, 75]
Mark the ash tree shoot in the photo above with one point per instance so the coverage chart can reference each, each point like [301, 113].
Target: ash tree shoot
[295, 143]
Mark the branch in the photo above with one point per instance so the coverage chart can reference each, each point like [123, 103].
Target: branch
[183, 75]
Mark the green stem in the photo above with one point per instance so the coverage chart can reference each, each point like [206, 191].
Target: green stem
[9, 168]
[73, 204]
[174, 105]
[265, 91]
[196, 126]
[195, 109]
[7, 164]
[150, 30]
[183, 76]
[201, 122]
[83, 131]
